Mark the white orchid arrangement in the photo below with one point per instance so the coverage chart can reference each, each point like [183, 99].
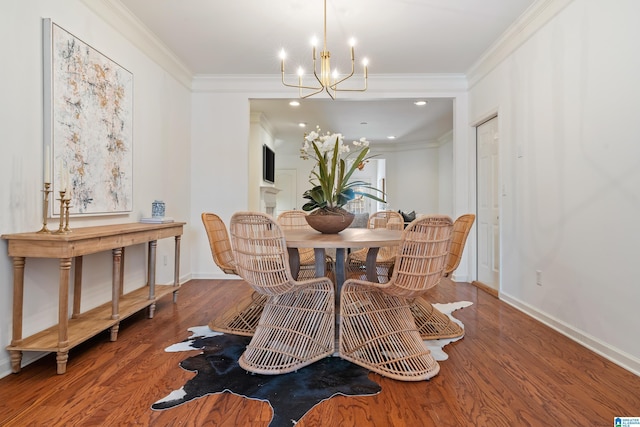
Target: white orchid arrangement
[330, 176]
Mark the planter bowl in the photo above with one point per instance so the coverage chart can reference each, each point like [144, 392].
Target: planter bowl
[330, 221]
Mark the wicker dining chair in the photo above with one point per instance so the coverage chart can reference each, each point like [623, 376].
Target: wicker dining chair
[461, 228]
[377, 329]
[240, 318]
[296, 220]
[219, 242]
[432, 323]
[297, 325]
[357, 260]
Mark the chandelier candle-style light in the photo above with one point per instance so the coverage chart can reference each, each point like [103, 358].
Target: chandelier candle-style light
[328, 80]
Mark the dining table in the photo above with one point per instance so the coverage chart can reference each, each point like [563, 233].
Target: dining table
[371, 238]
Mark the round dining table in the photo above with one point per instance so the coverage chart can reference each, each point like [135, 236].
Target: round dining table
[371, 238]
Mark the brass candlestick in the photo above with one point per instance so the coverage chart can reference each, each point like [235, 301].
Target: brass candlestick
[61, 227]
[45, 207]
[67, 205]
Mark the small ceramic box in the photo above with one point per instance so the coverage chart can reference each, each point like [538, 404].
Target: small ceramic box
[157, 209]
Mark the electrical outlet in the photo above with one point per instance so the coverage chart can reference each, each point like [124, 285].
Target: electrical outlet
[164, 260]
[539, 277]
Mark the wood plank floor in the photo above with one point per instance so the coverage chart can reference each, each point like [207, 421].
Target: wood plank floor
[509, 370]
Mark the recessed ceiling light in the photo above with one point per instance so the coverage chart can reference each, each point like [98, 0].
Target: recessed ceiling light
[294, 103]
[391, 137]
[302, 124]
[364, 123]
[420, 103]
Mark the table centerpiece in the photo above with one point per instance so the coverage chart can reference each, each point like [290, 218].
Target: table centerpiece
[330, 177]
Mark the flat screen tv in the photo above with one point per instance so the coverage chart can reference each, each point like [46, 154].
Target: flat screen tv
[268, 164]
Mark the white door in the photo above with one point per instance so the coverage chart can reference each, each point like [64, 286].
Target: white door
[285, 181]
[488, 204]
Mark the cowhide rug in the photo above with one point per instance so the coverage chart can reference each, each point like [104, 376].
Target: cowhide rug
[290, 395]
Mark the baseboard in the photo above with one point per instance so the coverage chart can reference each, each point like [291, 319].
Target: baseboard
[215, 276]
[488, 289]
[27, 358]
[460, 277]
[620, 358]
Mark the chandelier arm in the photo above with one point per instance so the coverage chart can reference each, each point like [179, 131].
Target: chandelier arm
[319, 89]
[317, 78]
[353, 90]
[313, 93]
[300, 86]
[332, 95]
[334, 86]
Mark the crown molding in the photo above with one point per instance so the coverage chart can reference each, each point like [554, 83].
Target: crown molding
[532, 20]
[387, 146]
[114, 13]
[381, 85]
[259, 118]
[394, 147]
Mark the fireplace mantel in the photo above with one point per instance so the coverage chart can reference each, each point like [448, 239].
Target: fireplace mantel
[268, 197]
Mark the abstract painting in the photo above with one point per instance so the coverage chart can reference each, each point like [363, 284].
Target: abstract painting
[88, 125]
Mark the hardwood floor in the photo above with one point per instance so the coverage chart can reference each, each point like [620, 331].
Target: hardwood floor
[508, 370]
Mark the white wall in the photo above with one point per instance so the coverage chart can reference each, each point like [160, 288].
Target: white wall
[445, 175]
[412, 179]
[161, 146]
[303, 167]
[567, 101]
[219, 169]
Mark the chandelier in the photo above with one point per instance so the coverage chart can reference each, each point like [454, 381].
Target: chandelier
[327, 80]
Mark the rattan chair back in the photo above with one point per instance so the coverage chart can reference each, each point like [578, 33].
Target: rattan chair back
[390, 219]
[386, 256]
[293, 219]
[296, 220]
[422, 255]
[461, 228]
[261, 252]
[219, 242]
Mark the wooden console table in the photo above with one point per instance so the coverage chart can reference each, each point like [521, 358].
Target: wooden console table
[70, 332]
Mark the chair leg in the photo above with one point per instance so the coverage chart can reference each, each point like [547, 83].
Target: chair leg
[377, 331]
[295, 330]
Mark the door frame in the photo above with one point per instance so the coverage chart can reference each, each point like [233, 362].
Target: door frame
[494, 113]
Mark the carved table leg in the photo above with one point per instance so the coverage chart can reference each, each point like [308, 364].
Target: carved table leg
[18, 300]
[116, 284]
[77, 287]
[151, 278]
[63, 315]
[61, 359]
[114, 331]
[176, 268]
[16, 360]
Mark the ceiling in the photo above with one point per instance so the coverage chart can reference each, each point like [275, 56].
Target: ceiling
[374, 120]
[397, 37]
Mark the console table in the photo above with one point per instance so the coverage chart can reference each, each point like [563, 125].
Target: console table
[70, 332]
